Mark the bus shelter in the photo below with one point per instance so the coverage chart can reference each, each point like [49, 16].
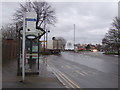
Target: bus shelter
[32, 53]
[29, 35]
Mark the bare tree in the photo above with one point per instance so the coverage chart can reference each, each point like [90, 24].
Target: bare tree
[116, 26]
[111, 41]
[9, 32]
[44, 12]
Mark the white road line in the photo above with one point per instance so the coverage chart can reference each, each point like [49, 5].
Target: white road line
[80, 73]
[68, 66]
[85, 72]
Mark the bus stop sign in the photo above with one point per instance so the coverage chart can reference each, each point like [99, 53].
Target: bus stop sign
[30, 19]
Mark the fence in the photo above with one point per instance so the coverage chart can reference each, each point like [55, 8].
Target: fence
[9, 50]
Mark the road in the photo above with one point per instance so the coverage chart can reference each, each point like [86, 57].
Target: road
[85, 69]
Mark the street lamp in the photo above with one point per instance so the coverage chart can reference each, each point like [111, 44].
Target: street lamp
[74, 37]
[47, 31]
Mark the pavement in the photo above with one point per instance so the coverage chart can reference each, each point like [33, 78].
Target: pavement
[45, 79]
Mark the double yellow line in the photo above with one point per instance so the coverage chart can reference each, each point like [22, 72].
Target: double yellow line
[63, 78]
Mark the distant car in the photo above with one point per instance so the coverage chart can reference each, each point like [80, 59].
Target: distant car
[94, 50]
[81, 49]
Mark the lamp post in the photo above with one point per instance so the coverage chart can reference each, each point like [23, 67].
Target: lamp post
[47, 31]
[119, 28]
[74, 37]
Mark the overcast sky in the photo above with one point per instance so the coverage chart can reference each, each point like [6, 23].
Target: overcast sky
[92, 19]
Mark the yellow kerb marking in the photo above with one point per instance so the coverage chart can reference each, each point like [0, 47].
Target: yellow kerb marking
[69, 80]
[63, 76]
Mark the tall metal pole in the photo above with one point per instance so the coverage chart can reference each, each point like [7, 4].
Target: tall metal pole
[119, 9]
[118, 29]
[23, 49]
[74, 37]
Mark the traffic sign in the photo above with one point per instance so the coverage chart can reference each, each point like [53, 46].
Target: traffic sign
[30, 19]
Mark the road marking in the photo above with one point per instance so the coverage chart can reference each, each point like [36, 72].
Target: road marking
[85, 72]
[58, 77]
[70, 80]
[66, 81]
[65, 78]
[62, 78]
[80, 73]
[68, 66]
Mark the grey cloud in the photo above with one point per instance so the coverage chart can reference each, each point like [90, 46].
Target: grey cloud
[92, 19]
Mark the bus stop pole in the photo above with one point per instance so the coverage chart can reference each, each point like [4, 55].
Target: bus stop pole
[23, 50]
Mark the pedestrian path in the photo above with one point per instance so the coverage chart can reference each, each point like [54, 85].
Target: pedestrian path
[45, 79]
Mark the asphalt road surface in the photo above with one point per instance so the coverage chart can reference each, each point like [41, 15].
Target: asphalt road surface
[85, 69]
